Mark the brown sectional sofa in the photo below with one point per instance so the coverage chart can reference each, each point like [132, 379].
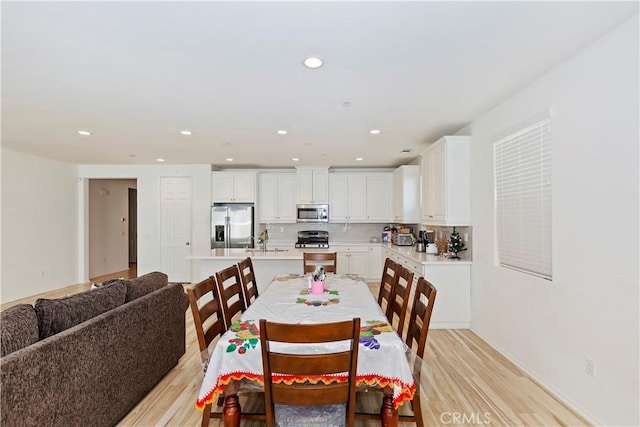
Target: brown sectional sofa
[88, 359]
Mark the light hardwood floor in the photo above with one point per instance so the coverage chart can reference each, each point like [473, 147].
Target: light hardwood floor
[469, 384]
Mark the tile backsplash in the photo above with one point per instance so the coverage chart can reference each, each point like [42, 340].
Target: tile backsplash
[465, 233]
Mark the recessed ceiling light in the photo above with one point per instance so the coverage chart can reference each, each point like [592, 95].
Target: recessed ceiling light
[282, 132]
[313, 62]
[160, 160]
[295, 159]
[84, 132]
[229, 159]
[185, 132]
[359, 159]
[374, 131]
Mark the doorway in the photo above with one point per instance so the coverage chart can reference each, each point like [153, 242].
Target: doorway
[109, 227]
[133, 227]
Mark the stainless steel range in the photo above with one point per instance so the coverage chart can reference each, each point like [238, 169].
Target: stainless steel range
[313, 239]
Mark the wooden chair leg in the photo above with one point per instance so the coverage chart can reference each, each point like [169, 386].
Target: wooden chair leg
[417, 410]
[206, 413]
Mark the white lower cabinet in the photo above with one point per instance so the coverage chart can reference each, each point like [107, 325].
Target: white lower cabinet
[353, 263]
[452, 309]
[362, 260]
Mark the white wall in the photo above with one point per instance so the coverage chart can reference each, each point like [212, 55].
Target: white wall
[108, 233]
[148, 184]
[591, 307]
[39, 234]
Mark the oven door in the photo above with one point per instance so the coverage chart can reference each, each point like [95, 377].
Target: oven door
[312, 213]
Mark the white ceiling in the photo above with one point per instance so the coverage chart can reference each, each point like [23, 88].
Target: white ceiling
[136, 73]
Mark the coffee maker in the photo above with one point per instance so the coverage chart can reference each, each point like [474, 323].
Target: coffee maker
[426, 241]
[423, 240]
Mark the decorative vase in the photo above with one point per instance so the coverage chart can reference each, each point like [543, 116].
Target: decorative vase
[317, 287]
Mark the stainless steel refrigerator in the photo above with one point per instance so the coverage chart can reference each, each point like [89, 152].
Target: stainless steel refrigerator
[232, 225]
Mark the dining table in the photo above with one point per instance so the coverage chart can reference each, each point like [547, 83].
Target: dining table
[382, 355]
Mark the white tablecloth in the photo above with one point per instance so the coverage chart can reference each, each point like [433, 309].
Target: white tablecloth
[381, 357]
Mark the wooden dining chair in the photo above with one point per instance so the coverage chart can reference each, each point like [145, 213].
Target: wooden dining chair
[416, 339]
[310, 260]
[399, 300]
[387, 283]
[209, 324]
[280, 394]
[248, 278]
[231, 296]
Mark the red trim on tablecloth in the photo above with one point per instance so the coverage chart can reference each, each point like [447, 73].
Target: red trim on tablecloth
[406, 393]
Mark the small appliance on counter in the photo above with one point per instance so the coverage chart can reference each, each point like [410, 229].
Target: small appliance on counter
[432, 249]
[425, 242]
[402, 239]
[313, 239]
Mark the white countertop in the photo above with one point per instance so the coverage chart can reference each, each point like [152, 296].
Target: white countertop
[422, 257]
[291, 253]
[281, 254]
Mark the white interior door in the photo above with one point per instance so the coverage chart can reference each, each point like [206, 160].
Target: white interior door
[175, 227]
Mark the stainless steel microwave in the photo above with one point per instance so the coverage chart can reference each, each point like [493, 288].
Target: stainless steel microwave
[312, 213]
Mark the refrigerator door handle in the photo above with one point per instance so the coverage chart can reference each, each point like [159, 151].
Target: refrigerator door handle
[227, 227]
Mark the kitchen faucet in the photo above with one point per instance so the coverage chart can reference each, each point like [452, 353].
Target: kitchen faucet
[250, 240]
[264, 237]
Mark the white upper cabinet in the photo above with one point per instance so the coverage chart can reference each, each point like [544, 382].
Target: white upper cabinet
[359, 197]
[446, 184]
[379, 197]
[347, 197]
[233, 187]
[406, 194]
[276, 198]
[312, 185]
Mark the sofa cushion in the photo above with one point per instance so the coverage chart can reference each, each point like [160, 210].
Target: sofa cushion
[57, 315]
[18, 328]
[147, 283]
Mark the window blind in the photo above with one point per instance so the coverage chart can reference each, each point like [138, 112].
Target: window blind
[522, 178]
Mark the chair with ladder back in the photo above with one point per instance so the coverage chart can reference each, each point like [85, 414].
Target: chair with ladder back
[399, 299]
[387, 283]
[230, 292]
[329, 261]
[298, 402]
[248, 279]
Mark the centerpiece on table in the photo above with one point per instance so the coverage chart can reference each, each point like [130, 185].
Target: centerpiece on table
[317, 281]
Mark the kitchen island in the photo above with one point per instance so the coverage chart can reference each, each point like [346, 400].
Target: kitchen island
[266, 264]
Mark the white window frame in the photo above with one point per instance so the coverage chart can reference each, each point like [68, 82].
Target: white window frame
[522, 200]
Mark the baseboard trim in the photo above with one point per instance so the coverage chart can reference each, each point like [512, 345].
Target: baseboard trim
[449, 325]
[542, 383]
